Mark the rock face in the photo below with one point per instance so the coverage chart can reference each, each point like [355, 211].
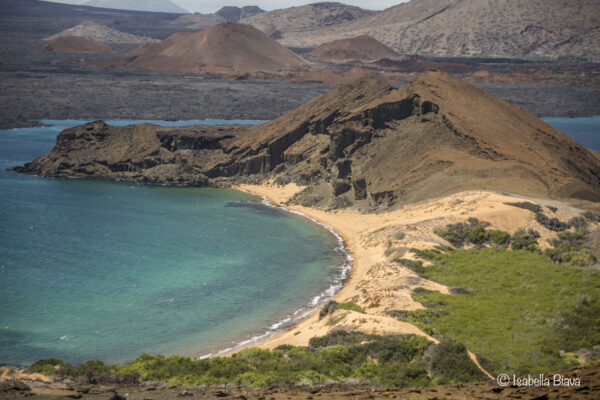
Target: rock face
[366, 144]
[527, 29]
[361, 48]
[101, 33]
[74, 44]
[139, 5]
[226, 48]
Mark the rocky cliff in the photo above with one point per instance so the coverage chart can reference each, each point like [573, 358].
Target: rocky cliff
[365, 144]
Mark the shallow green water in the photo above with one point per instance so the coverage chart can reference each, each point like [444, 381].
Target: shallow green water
[101, 270]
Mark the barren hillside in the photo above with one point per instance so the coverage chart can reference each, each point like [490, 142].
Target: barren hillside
[298, 20]
[528, 29]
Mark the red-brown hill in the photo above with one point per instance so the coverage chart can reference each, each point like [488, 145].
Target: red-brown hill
[226, 48]
[74, 44]
[361, 48]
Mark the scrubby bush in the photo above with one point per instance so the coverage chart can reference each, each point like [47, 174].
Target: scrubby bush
[499, 238]
[461, 233]
[351, 306]
[415, 266]
[536, 208]
[578, 222]
[525, 240]
[570, 248]
[592, 216]
[395, 252]
[329, 308]
[478, 235]
[552, 208]
[451, 361]
[399, 235]
[398, 314]
[553, 224]
[427, 254]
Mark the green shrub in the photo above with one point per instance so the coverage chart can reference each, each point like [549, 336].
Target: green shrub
[416, 266]
[351, 306]
[570, 248]
[427, 254]
[94, 368]
[450, 361]
[473, 231]
[329, 308]
[499, 238]
[477, 235]
[38, 366]
[525, 240]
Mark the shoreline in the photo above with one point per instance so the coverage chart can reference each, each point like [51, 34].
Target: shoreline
[377, 283]
[289, 335]
[287, 323]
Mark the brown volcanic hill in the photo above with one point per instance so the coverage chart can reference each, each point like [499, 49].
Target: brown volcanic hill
[74, 44]
[223, 48]
[366, 144]
[528, 29]
[361, 48]
[303, 19]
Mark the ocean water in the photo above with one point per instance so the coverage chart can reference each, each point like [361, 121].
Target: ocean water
[585, 130]
[105, 270]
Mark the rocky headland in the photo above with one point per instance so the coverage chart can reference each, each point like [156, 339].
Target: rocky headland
[365, 145]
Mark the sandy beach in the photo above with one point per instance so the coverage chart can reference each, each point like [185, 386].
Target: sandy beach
[378, 284]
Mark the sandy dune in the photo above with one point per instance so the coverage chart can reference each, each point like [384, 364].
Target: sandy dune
[378, 284]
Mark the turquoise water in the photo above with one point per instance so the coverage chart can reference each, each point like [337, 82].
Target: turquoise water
[585, 130]
[101, 270]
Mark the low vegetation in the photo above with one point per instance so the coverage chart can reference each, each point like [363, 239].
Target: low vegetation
[330, 308]
[570, 247]
[553, 224]
[519, 311]
[536, 208]
[389, 361]
[592, 216]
